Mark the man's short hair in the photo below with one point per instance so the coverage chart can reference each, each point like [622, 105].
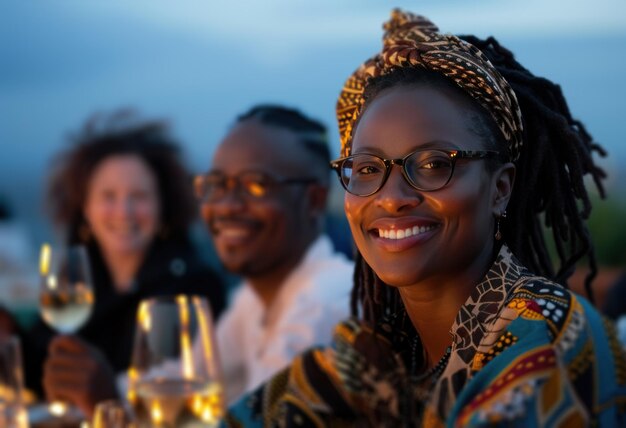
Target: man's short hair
[312, 133]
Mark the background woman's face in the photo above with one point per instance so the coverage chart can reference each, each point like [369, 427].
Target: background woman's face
[455, 222]
[122, 206]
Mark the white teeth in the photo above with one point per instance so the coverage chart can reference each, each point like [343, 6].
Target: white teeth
[403, 233]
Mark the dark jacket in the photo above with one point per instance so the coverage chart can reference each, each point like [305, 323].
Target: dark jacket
[171, 267]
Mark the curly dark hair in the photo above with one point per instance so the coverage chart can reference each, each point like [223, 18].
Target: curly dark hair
[120, 133]
[549, 185]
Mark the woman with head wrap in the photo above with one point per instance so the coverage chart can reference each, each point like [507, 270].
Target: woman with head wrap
[452, 156]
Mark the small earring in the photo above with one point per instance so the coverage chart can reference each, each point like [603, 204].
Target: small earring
[498, 235]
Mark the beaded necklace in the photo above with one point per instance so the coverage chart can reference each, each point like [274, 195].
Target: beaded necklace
[420, 384]
[434, 372]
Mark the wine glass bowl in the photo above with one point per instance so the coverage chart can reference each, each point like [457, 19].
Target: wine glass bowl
[66, 294]
[174, 378]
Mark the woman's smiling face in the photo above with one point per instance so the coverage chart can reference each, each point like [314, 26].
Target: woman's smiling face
[406, 235]
[122, 205]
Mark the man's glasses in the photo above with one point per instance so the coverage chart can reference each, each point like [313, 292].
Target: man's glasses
[255, 185]
[426, 170]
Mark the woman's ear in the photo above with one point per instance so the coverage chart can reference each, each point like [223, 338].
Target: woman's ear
[504, 178]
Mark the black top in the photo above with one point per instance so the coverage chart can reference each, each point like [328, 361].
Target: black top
[170, 268]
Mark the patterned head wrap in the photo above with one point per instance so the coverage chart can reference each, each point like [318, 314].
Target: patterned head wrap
[413, 41]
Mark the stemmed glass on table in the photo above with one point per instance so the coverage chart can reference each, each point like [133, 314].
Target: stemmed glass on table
[66, 294]
[174, 378]
[12, 407]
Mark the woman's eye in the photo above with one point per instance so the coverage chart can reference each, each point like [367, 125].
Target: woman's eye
[435, 164]
[367, 170]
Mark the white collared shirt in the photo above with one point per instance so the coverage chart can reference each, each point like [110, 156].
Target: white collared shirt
[255, 342]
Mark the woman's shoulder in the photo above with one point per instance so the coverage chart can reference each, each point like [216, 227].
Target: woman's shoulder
[320, 385]
[571, 325]
[537, 306]
[556, 349]
[565, 314]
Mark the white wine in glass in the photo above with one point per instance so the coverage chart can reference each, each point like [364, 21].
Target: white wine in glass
[66, 294]
[174, 379]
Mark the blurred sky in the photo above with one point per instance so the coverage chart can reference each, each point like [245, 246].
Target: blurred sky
[200, 63]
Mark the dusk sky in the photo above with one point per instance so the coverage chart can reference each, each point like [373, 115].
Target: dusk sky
[199, 64]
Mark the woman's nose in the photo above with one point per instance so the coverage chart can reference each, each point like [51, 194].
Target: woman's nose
[397, 194]
[124, 207]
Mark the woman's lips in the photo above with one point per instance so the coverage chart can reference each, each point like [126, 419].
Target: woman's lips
[395, 235]
[404, 233]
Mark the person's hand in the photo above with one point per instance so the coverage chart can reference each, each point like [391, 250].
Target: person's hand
[77, 373]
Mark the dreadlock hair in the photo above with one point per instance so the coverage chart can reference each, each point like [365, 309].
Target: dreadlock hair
[557, 154]
[549, 185]
[312, 133]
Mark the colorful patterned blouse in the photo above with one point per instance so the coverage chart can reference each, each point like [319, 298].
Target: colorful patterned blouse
[525, 352]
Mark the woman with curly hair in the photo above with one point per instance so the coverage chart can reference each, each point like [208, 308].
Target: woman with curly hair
[121, 190]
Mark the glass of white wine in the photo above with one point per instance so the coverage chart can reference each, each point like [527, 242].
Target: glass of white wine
[12, 407]
[66, 294]
[174, 378]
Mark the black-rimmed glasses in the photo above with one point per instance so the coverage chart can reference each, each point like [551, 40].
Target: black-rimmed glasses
[255, 185]
[364, 174]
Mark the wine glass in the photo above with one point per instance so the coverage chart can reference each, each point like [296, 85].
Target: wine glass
[66, 294]
[174, 378]
[12, 408]
[111, 414]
